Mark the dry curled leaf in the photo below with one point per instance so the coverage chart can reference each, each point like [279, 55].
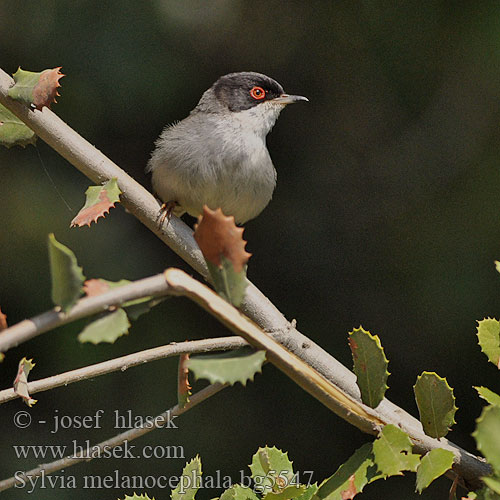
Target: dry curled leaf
[183, 387]
[217, 235]
[21, 381]
[95, 287]
[3, 321]
[100, 199]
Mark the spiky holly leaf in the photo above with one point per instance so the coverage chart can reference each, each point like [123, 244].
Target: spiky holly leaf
[67, 276]
[272, 470]
[21, 381]
[135, 496]
[3, 321]
[370, 366]
[183, 387]
[360, 465]
[488, 334]
[133, 308]
[392, 452]
[100, 199]
[106, 328]
[13, 132]
[228, 368]
[433, 465]
[490, 396]
[189, 482]
[487, 436]
[309, 493]
[239, 492]
[223, 247]
[36, 89]
[436, 404]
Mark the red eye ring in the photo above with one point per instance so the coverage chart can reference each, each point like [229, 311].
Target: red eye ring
[258, 93]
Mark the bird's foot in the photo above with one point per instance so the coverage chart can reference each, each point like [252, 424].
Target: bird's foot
[165, 212]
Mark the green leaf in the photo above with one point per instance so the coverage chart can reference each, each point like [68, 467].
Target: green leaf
[106, 328]
[99, 200]
[370, 366]
[36, 89]
[285, 493]
[238, 492]
[433, 465]
[229, 284]
[309, 493]
[13, 132]
[22, 90]
[436, 404]
[228, 368]
[134, 308]
[488, 333]
[487, 435]
[483, 494]
[189, 482]
[272, 470]
[67, 276]
[490, 396]
[392, 452]
[493, 483]
[135, 496]
[360, 465]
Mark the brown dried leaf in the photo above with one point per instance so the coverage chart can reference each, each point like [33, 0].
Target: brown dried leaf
[95, 287]
[3, 321]
[45, 91]
[183, 387]
[217, 235]
[351, 492]
[21, 381]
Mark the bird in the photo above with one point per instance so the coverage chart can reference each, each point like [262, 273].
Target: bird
[217, 156]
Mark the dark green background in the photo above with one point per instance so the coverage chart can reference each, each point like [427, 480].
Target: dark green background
[386, 213]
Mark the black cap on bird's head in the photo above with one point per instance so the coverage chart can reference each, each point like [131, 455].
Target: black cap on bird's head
[241, 91]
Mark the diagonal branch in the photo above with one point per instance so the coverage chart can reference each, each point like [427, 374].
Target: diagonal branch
[178, 236]
[124, 362]
[109, 444]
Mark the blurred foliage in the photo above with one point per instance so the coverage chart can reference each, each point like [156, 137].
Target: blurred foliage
[386, 212]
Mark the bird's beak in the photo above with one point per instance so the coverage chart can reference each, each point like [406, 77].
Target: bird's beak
[289, 99]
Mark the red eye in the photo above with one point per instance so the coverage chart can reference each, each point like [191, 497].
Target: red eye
[258, 93]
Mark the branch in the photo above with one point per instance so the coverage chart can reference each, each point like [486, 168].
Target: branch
[124, 362]
[178, 236]
[86, 306]
[160, 420]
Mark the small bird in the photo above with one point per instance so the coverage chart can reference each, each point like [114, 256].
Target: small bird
[217, 156]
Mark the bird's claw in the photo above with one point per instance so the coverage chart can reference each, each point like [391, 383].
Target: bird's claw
[165, 212]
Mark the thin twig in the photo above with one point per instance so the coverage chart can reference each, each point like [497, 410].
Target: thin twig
[87, 306]
[86, 455]
[124, 362]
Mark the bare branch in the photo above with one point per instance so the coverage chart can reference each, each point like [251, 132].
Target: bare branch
[124, 362]
[178, 236]
[160, 421]
[29, 328]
